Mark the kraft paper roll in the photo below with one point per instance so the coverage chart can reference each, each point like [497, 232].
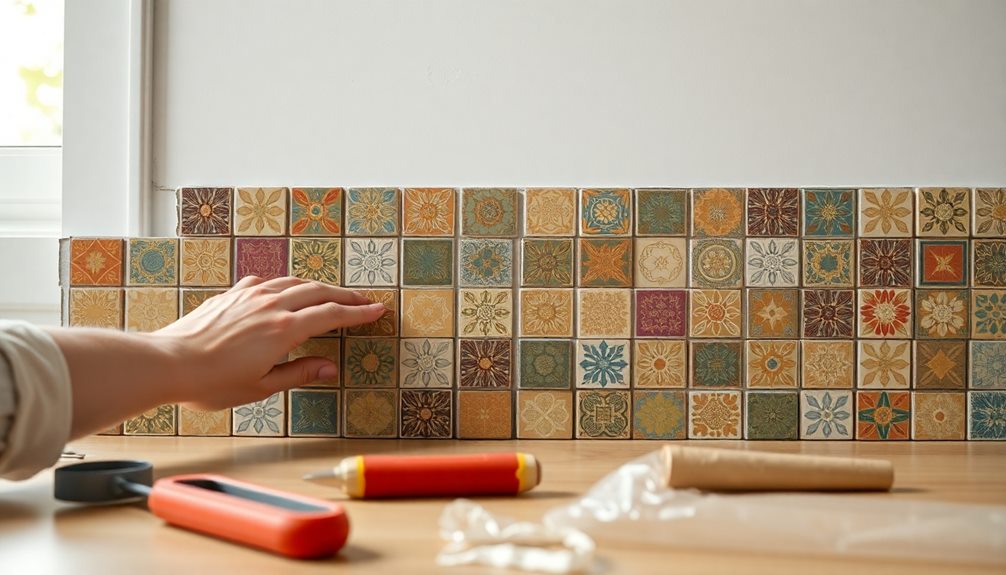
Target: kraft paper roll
[730, 470]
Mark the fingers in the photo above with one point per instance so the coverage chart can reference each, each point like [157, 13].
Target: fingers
[310, 294]
[298, 373]
[245, 282]
[330, 316]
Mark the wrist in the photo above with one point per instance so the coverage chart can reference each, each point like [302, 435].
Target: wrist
[173, 366]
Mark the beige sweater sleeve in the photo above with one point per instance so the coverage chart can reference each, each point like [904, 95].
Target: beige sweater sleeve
[35, 400]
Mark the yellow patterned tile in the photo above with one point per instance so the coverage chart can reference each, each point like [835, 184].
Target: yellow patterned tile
[427, 313]
[550, 212]
[546, 313]
[604, 313]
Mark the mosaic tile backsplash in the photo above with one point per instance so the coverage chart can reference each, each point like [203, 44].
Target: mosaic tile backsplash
[559, 313]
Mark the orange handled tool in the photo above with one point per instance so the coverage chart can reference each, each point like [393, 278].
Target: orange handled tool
[374, 476]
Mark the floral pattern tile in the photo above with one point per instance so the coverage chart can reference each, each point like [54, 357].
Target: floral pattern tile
[546, 364]
[988, 314]
[204, 211]
[260, 211]
[427, 262]
[883, 415]
[428, 212]
[941, 314]
[550, 212]
[603, 414]
[772, 364]
[604, 313]
[190, 299]
[205, 262]
[96, 262]
[96, 307]
[941, 364]
[428, 313]
[266, 418]
[485, 313]
[426, 362]
[150, 309]
[718, 212]
[939, 416]
[371, 413]
[716, 363]
[203, 423]
[773, 313]
[160, 420]
[661, 212]
[885, 263]
[884, 364]
[426, 414]
[605, 262]
[943, 263]
[547, 263]
[603, 363]
[773, 212]
[990, 212]
[886, 212]
[316, 211]
[659, 415]
[316, 259]
[484, 415]
[885, 313]
[989, 263]
[371, 262]
[152, 262]
[372, 212]
[714, 415]
[826, 414]
[605, 212]
[661, 262]
[313, 413]
[828, 263]
[262, 257]
[546, 313]
[486, 263]
[659, 363]
[987, 415]
[944, 212]
[387, 324]
[486, 363]
[544, 414]
[828, 313]
[772, 262]
[370, 362]
[324, 347]
[829, 212]
[827, 364]
[717, 263]
[715, 313]
[772, 415]
[489, 212]
[987, 365]
[661, 313]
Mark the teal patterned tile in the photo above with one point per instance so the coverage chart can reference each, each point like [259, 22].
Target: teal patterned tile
[659, 415]
[489, 212]
[603, 363]
[661, 212]
[828, 263]
[153, 262]
[316, 211]
[372, 211]
[987, 415]
[313, 413]
[829, 213]
[987, 365]
[988, 314]
[546, 364]
[716, 363]
[547, 263]
[605, 212]
[427, 262]
[486, 263]
[772, 415]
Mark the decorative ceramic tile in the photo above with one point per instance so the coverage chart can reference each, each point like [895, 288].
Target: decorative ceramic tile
[883, 415]
[718, 212]
[605, 263]
[160, 420]
[885, 313]
[987, 415]
[604, 313]
[546, 364]
[602, 363]
[262, 257]
[659, 363]
[427, 262]
[486, 263]
[715, 313]
[884, 364]
[773, 212]
[95, 262]
[603, 414]
[605, 212]
[772, 415]
[266, 418]
[717, 263]
[204, 211]
[316, 211]
[773, 313]
[316, 259]
[940, 364]
[427, 362]
[661, 262]
[485, 313]
[427, 313]
[313, 413]
[828, 263]
[428, 212]
[827, 364]
[371, 262]
[772, 364]
[150, 309]
[990, 212]
[988, 314]
[325, 347]
[772, 262]
[546, 313]
[370, 413]
[372, 212]
[204, 423]
[661, 212]
[153, 262]
[943, 263]
[206, 262]
[260, 211]
[96, 307]
[939, 416]
[190, 299]
[989, 263]
[485, 363]
[387, 324]
[885, 263]
[489, 212]
[544, 414]
[370, 362]
[885, 212]
[714, 415]
[548, 263]
[828, 313]
[426, 414]
[659, 415]
[826, 415]
[988, 365]
[941, 313]
[661, 313]
[944, 212]
[716, 363]
[829, 213]
[550, 212]
[484, 415]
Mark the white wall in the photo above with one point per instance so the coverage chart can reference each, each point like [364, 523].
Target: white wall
[578, 92]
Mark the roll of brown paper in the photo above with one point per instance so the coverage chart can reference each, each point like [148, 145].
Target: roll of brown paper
[730, 470]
